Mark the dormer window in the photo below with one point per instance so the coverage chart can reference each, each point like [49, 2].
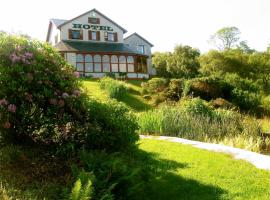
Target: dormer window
[93, 20]
[75, 34]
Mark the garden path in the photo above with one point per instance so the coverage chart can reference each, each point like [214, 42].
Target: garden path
[258, 160]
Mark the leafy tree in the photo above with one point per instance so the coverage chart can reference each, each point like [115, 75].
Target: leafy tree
[221, 62]
[226, 38]
[160, 63]
[244, 47]
[183, 62]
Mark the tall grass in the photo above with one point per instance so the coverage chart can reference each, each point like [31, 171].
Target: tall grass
[116, 89]
[219, 126]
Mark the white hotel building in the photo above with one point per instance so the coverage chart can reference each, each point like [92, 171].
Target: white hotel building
[95, 45]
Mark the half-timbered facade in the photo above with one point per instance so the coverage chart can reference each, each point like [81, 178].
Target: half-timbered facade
[95, 45]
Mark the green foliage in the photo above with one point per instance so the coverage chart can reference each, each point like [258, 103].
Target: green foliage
[175, 89]
[154, 85]
[83, 191]
[226, 38]
[183, 62]
[41, 103]
[159, 61]
[116, 89]
[116, 124]
[39, 93]
[207, 88]
[195, 119]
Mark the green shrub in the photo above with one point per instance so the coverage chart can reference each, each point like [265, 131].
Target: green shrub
[175, 89]
[155, 85]
[207, 88]
[222, 103]
[41, 103]
[39, 92]
[266, 105]
[116, 89]
[117, 126]
[196, 106]
[246, 100]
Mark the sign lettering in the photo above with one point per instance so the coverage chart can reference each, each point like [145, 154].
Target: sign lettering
[92, 27]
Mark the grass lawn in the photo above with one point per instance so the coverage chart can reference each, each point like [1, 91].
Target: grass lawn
[180, 172]
[200, 174]
[134, 100]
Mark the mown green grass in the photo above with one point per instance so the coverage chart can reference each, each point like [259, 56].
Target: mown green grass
[133, 99]
[180, 172]
[204, 175]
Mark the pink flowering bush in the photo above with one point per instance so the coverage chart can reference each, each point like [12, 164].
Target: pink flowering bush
[41, 101]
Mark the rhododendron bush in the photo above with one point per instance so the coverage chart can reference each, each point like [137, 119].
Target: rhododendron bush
[41, 100]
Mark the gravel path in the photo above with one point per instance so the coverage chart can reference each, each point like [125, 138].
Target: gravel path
[258, 160]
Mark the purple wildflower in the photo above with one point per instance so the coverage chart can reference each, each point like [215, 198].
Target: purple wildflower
[28, 55]
[77, 92]
[65, 95]
[77, 74]
[12, 108]
[14, 58]
[3, 102]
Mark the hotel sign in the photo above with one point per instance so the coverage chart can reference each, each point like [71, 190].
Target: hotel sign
[92, 27]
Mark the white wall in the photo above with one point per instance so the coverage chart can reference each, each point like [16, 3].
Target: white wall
[54, 32]
[84, 20]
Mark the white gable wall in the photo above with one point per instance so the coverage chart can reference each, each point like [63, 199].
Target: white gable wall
[54, 32]
[84, 20]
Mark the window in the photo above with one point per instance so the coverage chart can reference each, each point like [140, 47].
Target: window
[93, 20]
[140, 49]
[79, 63]
[114, 63]
[111, 37]
[76, 34]
[106, 63]
[97, 63]
[130, 61]
[89, 63]
[122, 64]
[94, 35]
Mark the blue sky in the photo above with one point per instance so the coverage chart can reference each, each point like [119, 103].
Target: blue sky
[163, 23]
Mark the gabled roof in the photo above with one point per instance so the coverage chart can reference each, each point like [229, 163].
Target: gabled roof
[94, 47]
[136, 34]
[58, 22]
[124, 30]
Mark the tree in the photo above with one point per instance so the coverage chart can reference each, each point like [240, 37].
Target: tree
[183, 62]
[244, 47]
[160, 63]
[226, 38]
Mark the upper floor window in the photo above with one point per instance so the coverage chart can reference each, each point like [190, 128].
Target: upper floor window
[93, 20]
[111, 37]
[94, 35]
[75, 34]
[140, 49]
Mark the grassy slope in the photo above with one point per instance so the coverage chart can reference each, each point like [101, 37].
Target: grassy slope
[134, 99]
[181, 172]
[204, 175]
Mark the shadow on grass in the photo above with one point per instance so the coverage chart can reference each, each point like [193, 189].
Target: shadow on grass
[162, 183]
[33, 175]
[135, 103]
